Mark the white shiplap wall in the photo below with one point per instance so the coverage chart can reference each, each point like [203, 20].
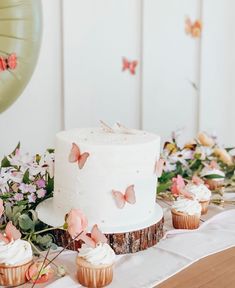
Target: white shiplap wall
[79, 80]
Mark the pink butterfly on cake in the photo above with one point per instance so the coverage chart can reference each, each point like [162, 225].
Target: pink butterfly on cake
[76, 156]
[11, 233]
[128, 196]
[95, 238]
[129, 65]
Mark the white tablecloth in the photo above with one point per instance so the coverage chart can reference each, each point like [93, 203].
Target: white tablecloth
[175, 252]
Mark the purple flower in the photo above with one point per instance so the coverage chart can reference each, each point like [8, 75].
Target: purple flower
[25, 188]
[32, 198]
[41, 193]
[18, 197]
[41, 183]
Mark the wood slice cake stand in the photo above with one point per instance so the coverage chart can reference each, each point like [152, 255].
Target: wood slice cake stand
[122, 243]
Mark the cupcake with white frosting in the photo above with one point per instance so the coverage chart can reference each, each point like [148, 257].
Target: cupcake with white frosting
[95, 265]
[209, 173]
[186, 213]
[15, 259]
[201, 193]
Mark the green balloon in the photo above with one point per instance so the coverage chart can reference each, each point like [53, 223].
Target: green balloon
[20, 33]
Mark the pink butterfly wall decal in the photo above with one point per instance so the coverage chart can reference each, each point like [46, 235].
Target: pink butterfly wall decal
[129, 65]
[128, 196]
[11, 233]
[76, 156]
[95, 238]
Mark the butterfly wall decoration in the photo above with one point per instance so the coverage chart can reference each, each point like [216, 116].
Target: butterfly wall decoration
[128, 196]
[76, 156]
[193, 29]
[129, 65]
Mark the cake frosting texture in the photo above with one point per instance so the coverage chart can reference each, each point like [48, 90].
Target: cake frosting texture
[116, 161]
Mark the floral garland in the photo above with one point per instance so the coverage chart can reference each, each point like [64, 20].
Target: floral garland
[188, 162]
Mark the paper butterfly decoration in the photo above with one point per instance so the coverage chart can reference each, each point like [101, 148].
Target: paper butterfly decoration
[159, 167]
[11, 233]
[128, 196]
[76, 156]
[193, 29]
[129, 65]
[117, 128]
[105, 127]
[8, 63]
[95, 238]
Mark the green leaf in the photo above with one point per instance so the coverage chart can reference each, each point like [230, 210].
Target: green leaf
[50, 150]
[213, 176]
[8, 212]
[5, 162]
[17, 147]
[26, 223]
[26, 179]
[163, 187]
[50, 185]
[229, 149]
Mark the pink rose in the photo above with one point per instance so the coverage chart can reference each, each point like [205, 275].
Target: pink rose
[76, 221]
[1, 208]
[178, 185]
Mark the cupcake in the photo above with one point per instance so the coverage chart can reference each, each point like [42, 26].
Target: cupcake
[15, 259]
[213, 183]
[186, 213]
[201, 193]
[95, 265]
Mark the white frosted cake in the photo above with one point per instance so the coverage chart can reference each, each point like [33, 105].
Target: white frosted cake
[112, 180]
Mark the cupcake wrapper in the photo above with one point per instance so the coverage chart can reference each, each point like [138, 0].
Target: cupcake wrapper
[184, 221]
[13, 275]
[214, 184]
[204, 205]
[95, 277]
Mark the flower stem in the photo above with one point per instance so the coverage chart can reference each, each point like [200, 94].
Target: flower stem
[48, 229]
[74, 239]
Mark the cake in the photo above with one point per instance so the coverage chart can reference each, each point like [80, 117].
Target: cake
[110, 176]
[186, 213]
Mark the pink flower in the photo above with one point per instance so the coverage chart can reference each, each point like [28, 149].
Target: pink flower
[32, 198]
[18, 197]
[41, 193]
[1, 208]
[76, 222]
[12, 61]
[41, 183]
[178, 185]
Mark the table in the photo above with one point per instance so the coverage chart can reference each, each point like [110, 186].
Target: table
[215, 271]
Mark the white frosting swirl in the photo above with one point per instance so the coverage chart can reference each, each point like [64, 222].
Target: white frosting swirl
[199, 192]
[15, 252]
[102, 254]
[208, 171]
[188, 206]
